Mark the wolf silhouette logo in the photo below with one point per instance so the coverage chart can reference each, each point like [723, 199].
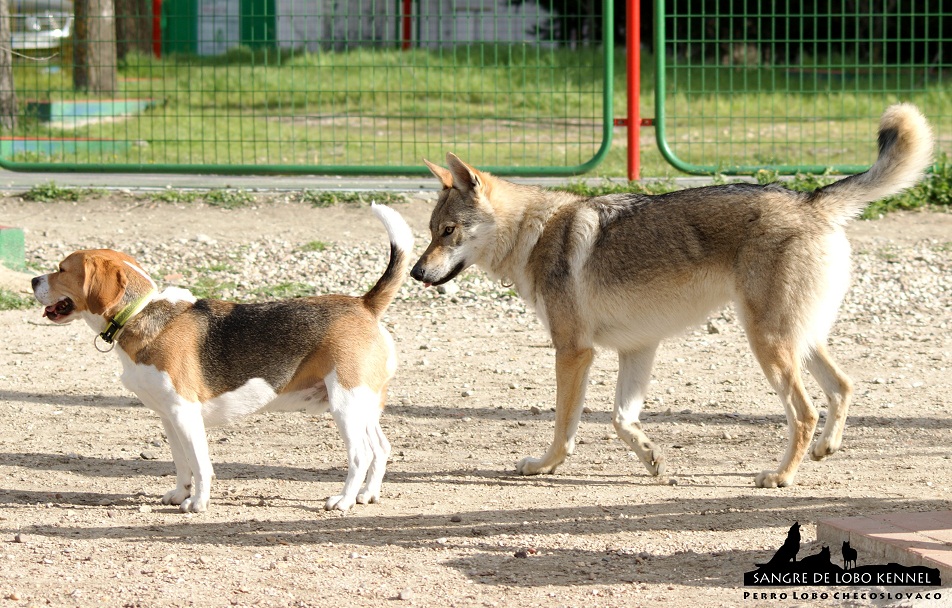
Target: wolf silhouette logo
[788, 551]
[817, 561]
[849, 555]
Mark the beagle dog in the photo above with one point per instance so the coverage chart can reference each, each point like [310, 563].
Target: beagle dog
[200, 363]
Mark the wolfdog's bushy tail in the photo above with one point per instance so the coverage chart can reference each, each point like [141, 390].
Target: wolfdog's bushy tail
[906, 145]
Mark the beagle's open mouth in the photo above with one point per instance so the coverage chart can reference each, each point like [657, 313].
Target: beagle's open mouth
[59, 310]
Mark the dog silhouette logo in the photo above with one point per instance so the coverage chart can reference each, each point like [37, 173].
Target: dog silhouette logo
[817, 561]
[788, 551]
[818, 569]
[849, 555]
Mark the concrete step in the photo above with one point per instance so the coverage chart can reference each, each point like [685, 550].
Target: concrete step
[910, 539]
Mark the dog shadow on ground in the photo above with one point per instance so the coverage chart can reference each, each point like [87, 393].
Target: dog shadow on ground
[483, 545]
[80, 400]
[140, 472]
[717, 416]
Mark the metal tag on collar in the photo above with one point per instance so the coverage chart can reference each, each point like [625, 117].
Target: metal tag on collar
[110, 342]
[109, 334]
[117, 323]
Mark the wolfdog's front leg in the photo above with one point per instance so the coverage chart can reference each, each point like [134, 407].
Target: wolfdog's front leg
[634, 374]
[571, 377]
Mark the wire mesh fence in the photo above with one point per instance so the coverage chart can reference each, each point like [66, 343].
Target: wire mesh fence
[366, 86]
[795, 85]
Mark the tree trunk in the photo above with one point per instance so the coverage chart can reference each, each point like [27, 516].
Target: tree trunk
[8, 94]
[94, 49]
[133, 27]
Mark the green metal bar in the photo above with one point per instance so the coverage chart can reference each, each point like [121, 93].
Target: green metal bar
[608, 88]
[661, 125]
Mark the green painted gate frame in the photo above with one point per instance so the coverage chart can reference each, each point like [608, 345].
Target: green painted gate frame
[661, 131]
[607, 124]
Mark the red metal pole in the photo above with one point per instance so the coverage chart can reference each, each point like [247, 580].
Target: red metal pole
[407, 24]
[633, 69]
[157, 28]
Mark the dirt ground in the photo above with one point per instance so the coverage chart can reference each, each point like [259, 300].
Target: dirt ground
[83, 465]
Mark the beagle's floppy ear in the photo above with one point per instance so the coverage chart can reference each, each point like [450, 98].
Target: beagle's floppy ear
[104, 284]
[445, 177]
[465, 178]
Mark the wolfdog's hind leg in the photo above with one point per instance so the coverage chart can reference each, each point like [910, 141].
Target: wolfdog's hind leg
[838, 389]
[779, 361]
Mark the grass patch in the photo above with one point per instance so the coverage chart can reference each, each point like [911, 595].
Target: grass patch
[314, 246]
[39, 267]
[228, 199]
[170, 195]
[808, 183]
[13, 301]
[224, 197]
[285, 290]
[611, 187]
[887, 255]
[324, 198]
[934, 190]
[236, 198]
[207, 287]
[51, 193]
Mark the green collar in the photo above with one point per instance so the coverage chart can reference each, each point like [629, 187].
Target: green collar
[114, 328]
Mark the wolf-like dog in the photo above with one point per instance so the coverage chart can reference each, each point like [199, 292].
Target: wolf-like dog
[624, 271]
[788, 550]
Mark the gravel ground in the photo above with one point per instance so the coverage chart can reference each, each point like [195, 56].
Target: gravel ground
[83, 464]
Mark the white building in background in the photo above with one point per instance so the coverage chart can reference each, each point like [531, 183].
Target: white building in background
[453, 22]
[219, 26]
[339, 24]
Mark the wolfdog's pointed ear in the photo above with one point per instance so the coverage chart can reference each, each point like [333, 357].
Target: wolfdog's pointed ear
[445, 177]
[465, 178]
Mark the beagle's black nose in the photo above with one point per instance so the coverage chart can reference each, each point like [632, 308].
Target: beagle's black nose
[35, 282]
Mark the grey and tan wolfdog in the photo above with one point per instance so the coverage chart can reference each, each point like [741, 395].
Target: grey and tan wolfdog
[625, 271]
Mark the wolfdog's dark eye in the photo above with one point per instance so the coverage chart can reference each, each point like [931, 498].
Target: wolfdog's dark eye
[448, 230]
